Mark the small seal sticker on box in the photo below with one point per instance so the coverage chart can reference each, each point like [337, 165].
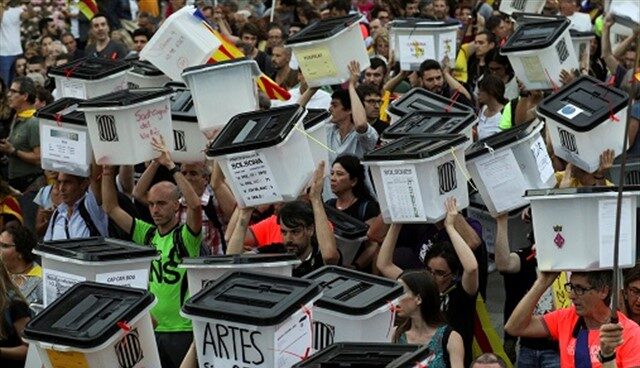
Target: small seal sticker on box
[559, 239]
[570, 111]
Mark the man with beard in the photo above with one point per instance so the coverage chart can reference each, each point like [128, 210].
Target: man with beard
[283, 74]
[438, 80]
[305, 231]
[104, 47]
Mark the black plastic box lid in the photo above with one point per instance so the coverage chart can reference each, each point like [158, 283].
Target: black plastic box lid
[182, 107]
[411, 360]
[240, 259]
[87, 314]
[63, 110]
[353, 292]
[429, 122]
[252, 298]
[144, 67]
[486, 145]
[91, 68]
[96, 249]
[581, 190]
[323, 29]
[413, 23]
[315, 117]
[344, 225]
[597, 99]
[419, 99]
[416, 147]
[255, 130]
[578, 34]
[356, 355]
[535, 35]
[126, 97]
[534, 17]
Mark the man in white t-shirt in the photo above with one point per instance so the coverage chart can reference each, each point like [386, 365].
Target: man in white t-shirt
[10, 47]
[579, 21]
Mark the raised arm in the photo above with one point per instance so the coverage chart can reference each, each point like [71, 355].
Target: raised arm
[95, 182]
[125, 179]
[224, 196]
[385, 257]
[506, 261]
[606, 53]
[307, 95]
[141, 189]
[465, 255]
[522, 321]
[358, 113]
[454, 85]
[236, 242]
[324, 233]
[110, 200]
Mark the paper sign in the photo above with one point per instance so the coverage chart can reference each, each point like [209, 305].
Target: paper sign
[67, 359]
[253, 179]
[543, 162]
[447, 47]
[292, 339]
[503, 179]
[63, 144]
[228, 345]
[131, 278]
[415, 49]
[403, 193]
[56, 283]
[607, 228]
[72, 88]
[316, 63]
[533, 69]
[570, 111]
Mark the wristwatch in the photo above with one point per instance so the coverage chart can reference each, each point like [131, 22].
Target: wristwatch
[605, 359]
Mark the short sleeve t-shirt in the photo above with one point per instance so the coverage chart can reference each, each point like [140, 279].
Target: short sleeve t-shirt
[25, 136]
[18, 309]
[166, 281]
[562, 323]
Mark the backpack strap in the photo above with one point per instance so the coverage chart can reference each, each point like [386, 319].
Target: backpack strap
[52, 221]
[177, 239]
[86, 217]
[445, 341]
[212, 214]
[362, 209]
[148, 236]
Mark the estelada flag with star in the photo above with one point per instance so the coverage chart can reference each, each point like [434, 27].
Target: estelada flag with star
[229, 51]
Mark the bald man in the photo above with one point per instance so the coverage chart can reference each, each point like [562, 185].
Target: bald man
[174, 242]
[283, 74]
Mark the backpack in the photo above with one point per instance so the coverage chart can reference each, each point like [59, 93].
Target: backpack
[177, 240]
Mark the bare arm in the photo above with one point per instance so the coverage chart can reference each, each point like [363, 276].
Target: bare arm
[110, 201]
[307, 96]
[454, 84]
[357, 109]
[125, 177]
[385, 257]
[394, 82]
[191, 359]
[236, 243]
[140, 190]
[607, 54]
[30, 157]
[224, 196]
[469, 235]
[95, 182]
[324, 233]
[455, 348]
[625, 45]
[522, 322]
[465, 255]
[506, 261]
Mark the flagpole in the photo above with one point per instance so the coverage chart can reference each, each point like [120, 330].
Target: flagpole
[273, 10]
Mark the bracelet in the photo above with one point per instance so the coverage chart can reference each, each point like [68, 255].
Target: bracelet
[605, 359]
[175, 170]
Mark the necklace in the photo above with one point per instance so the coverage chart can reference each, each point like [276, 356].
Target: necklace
[351, 201]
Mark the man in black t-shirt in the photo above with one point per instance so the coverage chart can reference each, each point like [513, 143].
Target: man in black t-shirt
[104, 47]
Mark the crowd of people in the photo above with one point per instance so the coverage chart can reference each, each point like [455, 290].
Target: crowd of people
[189, 210]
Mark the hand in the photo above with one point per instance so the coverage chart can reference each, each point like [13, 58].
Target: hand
[547, 277]
[165, 158]
[526, 215]
[354, 72]
[609, 21]
[452, 211]
[392, 59]
[6, 147]
[610, 338]
[567, 178]
[566, 77]
[606, 162]
[315, 190]
[415, 80]
[108, 170]
[446, 67]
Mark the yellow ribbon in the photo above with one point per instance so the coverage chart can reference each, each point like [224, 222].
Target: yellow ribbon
[26, 114]
[386, 98]
[315, 140]
[463, 169]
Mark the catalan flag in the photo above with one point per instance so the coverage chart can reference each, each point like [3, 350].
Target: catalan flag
[485, 337]
[88, 8]
[9, 206]
[229, 51]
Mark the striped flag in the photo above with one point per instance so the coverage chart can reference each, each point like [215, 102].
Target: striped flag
[10, 206]
[229, 51]
[485, 337]
[88, 8]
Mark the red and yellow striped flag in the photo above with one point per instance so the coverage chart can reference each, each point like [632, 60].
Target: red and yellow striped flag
[10, 206]
[88, 8]
[485, 337]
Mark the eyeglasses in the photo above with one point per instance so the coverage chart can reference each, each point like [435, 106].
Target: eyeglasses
[438, 273]
[576, 289]
[373, 101]
[633, 293]
[6, 246]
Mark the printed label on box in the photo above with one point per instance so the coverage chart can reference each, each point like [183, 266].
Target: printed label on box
[543, 162]
[253, 179]
[607, 226]
[130, 278]
[293, 340]
[72, 88]
[56, 283]
[316, 63]
[64, 145]
[415, 49]
[570, 111]
[67, 359]
[403, 193]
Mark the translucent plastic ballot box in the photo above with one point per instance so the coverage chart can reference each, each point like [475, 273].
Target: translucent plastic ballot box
[414, 176]
[222, 90]
[631, 173]
[316, 124]
[104, 260]
[350, 233]
[539, 51]
[64, 138]
[96, 326]
[574, 227]
[582, 46]
[518, 230]
[506, 164]
[203, 270]
[521, 6]
[626, 12]
[265, 155]
[255, 319]
[325, 48]
[122, 124]
[189, 143]
[143, 74]
[416, 40]
[355, 307]
[183, 40]
[419, 99]
[357, 355]
[432, 122]
[90, 77]
[584, 119]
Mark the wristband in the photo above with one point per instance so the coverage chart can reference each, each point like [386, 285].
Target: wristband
[605, 359]
[175, 170]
